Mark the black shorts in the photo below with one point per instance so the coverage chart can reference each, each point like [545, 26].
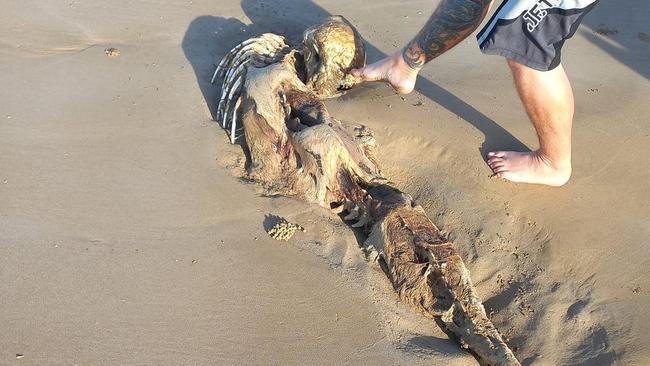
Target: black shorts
[532, 32]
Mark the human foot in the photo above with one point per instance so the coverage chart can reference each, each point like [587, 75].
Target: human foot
[528, 167]
[392, 69]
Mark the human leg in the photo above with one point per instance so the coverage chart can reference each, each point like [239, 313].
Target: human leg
[548, 99]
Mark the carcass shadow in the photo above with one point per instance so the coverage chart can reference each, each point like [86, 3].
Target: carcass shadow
[206, 40]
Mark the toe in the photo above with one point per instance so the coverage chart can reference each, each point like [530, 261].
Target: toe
[498, 154]
[494, 160]
[496, 166]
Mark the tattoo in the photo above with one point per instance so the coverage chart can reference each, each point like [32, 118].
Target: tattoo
[412, 55]
[449, 24]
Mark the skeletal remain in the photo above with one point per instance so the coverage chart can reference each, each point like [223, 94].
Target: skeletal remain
[297, 149]
[233, 96]
[234, 121]
[267, 39]
[257, 52]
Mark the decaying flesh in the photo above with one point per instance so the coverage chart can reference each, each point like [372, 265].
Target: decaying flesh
[296, 148]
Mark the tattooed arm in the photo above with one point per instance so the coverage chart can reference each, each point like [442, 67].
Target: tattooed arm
[449, 24]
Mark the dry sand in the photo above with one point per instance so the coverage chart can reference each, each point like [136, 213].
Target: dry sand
[125, 238]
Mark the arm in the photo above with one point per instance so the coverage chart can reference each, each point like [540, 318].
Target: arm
[450, 23]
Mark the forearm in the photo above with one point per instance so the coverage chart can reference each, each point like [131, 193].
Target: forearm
[450, 23]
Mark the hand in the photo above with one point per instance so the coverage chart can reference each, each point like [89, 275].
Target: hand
[392, 69]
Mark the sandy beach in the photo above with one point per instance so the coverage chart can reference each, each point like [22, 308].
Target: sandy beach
[126, 237]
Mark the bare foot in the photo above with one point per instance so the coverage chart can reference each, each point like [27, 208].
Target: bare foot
[392, 69]
[528, 167]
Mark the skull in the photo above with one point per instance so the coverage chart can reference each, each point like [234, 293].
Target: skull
[330, 51]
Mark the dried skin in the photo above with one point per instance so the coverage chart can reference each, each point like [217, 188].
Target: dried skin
[296, 148]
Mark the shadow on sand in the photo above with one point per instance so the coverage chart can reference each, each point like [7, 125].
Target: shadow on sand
[620, 28]
[208, 38]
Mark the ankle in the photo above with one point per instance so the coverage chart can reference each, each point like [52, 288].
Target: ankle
[400, 63]
[559, 164]
[402, 76]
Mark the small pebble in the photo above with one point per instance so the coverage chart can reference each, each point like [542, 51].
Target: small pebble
[112, 52]
[19, 355]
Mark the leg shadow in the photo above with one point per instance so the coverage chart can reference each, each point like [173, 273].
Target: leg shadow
[620, 29]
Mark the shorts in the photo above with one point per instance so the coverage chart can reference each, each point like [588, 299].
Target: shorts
[532, 32]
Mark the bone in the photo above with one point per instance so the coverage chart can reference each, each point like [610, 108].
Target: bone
[227, 79]
[220, 108]
[260, 51]
[271, 42]
[236, 68]
[234, 121]
[252, 50]
[229, 100]
[279, 41]
[233, 74]
[214, 76]
[225, 61]
[227, 92]
[237, 65]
